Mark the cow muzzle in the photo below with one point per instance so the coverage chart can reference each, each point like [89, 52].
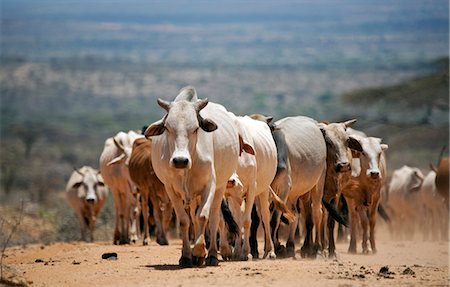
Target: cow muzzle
[180, 162]
[373, 174]
[343, 167]
[90, 200]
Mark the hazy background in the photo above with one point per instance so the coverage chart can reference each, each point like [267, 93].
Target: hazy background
[73, 73]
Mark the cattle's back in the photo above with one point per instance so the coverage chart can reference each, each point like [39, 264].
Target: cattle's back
[225, 141]
[265, 149]
[140, 165]
[112, 174]
[306, 151]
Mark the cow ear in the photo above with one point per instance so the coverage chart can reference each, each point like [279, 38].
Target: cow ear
[243, 146]
[384, 146]
[155, 129]
[354, 144]
[207, 125]
[324, 131]
[117, 160]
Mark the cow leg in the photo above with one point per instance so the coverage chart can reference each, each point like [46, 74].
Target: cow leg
[290, 244]
[91, 221]
[203, 214]
[247, 220]
[372, 223]
[134, 217]
[263, 206]
[166, 216]
[353, 227]
[254, 232]
[158, 217]
[235, 207]
[316, 198]
[281, 184]
[214, 217]
[117, 206]
[331, 243]
[82, 226]
[365, 228]
[145, 214]
[307, 249]
[225, 249]
[183, 217]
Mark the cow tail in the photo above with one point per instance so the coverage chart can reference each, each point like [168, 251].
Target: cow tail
[233, 228]
[334, 213]
[383, 213]
[287, 215]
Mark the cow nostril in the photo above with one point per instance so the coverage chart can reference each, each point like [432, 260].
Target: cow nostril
[180, 162]
[90, 200]
[374, 174]
[342, 167]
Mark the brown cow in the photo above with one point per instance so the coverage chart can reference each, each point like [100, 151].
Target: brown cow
[149, 185]
[338, 170]
[363, 193]
[442, 179]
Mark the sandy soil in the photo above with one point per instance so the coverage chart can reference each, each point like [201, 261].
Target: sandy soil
[81, 264]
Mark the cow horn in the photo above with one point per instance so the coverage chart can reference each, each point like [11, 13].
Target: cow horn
[201, 104]
[78, 171]
[118, 145]
[164, 104]
[349, 123]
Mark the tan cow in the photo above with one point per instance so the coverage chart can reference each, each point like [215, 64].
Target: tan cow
[114, 168]
[338, 170]
[363, 192]
[86, 193]
[150, 187]
[195, 151]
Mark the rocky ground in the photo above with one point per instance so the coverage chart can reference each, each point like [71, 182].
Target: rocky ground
[397, 263]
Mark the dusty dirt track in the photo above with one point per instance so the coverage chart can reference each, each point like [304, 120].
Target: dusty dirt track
[81, 264]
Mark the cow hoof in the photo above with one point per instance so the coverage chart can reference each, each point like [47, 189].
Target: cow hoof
[185, 262]
[212, 261]
[249, 257]
[255, 254]
[198, 261]
[308, 252]
[145, 242]
[290, 250]
[280, 251]
[272, 255]
[162, 241]
[352, 251]
[332, 254]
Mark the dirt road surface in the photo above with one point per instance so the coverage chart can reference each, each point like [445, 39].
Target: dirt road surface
[409, 263]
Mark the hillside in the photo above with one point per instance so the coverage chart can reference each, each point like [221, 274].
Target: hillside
[412, 116]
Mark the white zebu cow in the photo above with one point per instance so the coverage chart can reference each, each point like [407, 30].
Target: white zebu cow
[86, 193]
[114, 168]
[256, 172]
[301, 167]
[406, 180]
[195, 152]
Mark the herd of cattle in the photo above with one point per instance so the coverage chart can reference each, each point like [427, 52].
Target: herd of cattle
[222, 174]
